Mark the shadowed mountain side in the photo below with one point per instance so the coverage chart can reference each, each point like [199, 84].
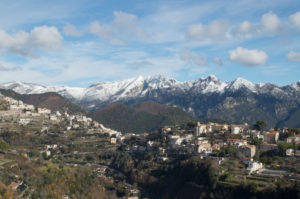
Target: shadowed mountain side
[143, 117]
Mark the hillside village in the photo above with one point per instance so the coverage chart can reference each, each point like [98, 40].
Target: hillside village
[239, 151]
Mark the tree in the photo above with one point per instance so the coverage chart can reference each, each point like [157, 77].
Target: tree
[256, 141]
[231, 151]
[284, 146]
[260, 125]
[293, 131]
[4, 146]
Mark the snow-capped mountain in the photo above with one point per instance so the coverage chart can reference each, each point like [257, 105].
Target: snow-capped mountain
[141, 87]
[239, 100]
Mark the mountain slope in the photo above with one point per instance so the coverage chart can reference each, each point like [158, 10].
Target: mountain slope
[52, 101]
[236, 101]
[144, 117]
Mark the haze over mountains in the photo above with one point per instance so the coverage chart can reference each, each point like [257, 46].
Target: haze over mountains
[235, 101]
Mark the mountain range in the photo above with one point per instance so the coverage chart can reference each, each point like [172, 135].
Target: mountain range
[236, 101]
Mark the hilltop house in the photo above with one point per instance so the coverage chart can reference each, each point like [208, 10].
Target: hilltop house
[254, 166]
[236, 142]
[271, 137]
[293, 139]
[200, 129]
[44, 111]
[235, 129]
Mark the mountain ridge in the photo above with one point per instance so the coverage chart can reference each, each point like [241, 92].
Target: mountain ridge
[237, 101]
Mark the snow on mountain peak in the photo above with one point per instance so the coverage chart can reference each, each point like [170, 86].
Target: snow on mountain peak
[239, 83]
[209, 85]
[142, 86]
[296, 86]
[213, 78]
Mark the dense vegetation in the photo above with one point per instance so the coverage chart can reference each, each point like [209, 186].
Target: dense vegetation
[143, 117]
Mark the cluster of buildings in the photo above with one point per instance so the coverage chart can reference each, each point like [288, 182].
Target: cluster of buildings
[24, 114]
[213, 127]
[243, 140]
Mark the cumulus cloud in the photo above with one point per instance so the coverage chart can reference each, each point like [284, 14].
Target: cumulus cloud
[6, 69]
[123, 26]
[70, 30]
[218, 61]
[293, 56]
[215, 30]
[270, 22]
[45, 37]
[24, 43]
[193, 59]
[295, 19]
[99, 30]
[248, 57]
[270, 25]
[245, 29]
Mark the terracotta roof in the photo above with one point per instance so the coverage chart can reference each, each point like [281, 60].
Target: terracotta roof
[272, 133]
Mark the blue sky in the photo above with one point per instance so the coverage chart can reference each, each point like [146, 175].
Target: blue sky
[77, 43]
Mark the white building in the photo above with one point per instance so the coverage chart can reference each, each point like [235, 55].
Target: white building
[44, 111]
[58, 114]
[204, 148]
[293, 139]
[200, 129]
[24, 121]
[53, 118]
[254, 167]
[235, 129]
[289, 152]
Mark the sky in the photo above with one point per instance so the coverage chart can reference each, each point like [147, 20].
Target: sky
[80, 42]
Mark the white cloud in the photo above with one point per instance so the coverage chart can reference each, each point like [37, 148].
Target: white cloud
[6, 69]
[70, 30]
[45, 37]
[123, 27]
[215, 30]
[23, 43]
[270, 22]
[118, 42]
[248, 57]
[126, 23]
[192, 58]
[295, 19]
[270, 25]
[218, 61]
[293, 56]
[245, 29]
[99, 30]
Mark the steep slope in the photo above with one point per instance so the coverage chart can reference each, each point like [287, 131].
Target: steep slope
[125, 119]
[144, 117]
[52, 101]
